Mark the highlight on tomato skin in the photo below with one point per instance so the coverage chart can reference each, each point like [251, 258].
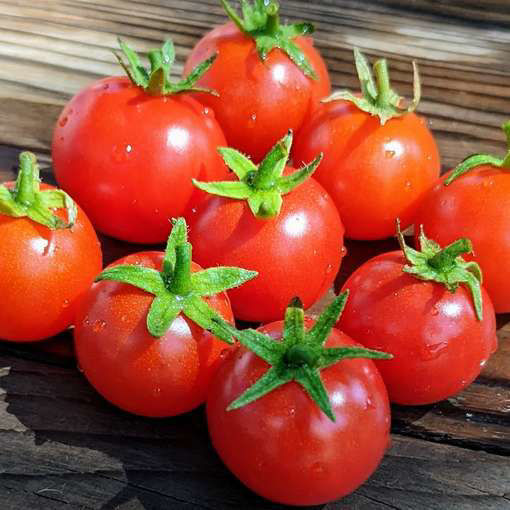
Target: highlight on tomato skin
[437, 321]
[284, 445]
[49, 256]
[269, 78]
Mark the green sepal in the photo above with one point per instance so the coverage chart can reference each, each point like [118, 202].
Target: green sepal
[299, 356]
[156, 80]
[444, 265]
[377, 97]
[177, 290]
[261, 21]
[263, 185]
[27, 199]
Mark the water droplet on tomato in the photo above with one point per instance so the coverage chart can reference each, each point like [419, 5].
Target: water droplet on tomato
[224, 353]
[483, 363]
[206, 111]
[65, 303]
[157, 392]
[134, 201]
[434, 310]
[329, 269]
[431, 352]
[369, 403]
[123, 318]
[121, 152]
[194, 210]
[129, 148]
[318, 468]
[343, 251]
[408, 184]
[389, 154]
[98, 326]
[292, 411]
[63, 121]
[253, 117]
[86, 321]
[156, 211]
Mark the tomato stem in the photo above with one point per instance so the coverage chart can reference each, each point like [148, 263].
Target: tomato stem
[382, 77]
[180, 283]
[506, 161]
[445, 259]
[27, 183]
[273, 18]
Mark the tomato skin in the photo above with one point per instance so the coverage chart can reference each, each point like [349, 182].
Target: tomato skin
[155, 377]
[373, 173]
[297, 253]
[128, 158]
[44, 274]
[437, 342]
[472, 206]
[259, 100]
[283, 446]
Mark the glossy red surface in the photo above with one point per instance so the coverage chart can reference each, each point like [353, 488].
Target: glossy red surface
[297, 253]
[128, 158]
[439, 345]
[373, 173]
[282, 446]
[141, 374]
[259, 100]
[474, 206]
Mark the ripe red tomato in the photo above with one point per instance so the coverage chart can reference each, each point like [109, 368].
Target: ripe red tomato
[44, 272]
[259, 100]
[374, 169]
[128, 157]
[282, 446]
[132, 369]
[438, 344]
[472, 205]
[297, 252]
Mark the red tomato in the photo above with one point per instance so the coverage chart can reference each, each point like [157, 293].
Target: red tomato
[472, 206]
[282, 446]
[128, 157]
[259, 100]
[439, 345]
[374, 173]
[135, 371]
[297, 252]
[44, 274]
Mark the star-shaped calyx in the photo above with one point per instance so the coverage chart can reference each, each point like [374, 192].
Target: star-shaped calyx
[445, 266]
[300, 355]
[483, 159]
[26, 199]
[177, 290]
[261, 21]
[261, 185]
[156, 79]
[377, 97]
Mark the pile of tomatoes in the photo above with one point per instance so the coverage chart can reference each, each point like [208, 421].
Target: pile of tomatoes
[252, 173]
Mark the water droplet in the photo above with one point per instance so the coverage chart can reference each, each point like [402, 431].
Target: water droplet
[80, 369]
[129, 148]
[123, 318]
[429, 157]
[483, 363]
[369, 403]
[134, 201]
[157, 392]
[86, 321]
[434, 311]
[98, 326]
[329, 269]
[194, 210]
[315, 252]
[120, 153]
[253, 117]
[389, 154]
[292, 411]
[343, 251]
[430, 352]
[206, 111]
[63, 121]
[156, 211]
[318, 468]
[408, 184]
[65, 303]
[224, 353]
[469, 416]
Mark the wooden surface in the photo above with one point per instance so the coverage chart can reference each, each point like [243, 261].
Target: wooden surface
[64, 447]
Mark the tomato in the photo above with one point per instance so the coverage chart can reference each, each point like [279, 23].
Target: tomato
[297, 251]
[260, 99]
[282, 446]
[128, 157]
[375, 172]
[154, 355]
[472, 206]
[44, 271]
[438, 342]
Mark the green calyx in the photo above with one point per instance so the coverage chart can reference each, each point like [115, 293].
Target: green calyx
[156, 79]
[445, 266]
[261, 21]
[300, 356]
[377, 96]
[178, 290]
[483, 159]
[261, 185]
[27, 200]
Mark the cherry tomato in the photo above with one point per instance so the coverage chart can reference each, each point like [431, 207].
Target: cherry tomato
[472, 206]
[374, 173]
[132, 369]
[438, 343]
[259, 100]
[282, 446]
[297, 252]
[44, 273]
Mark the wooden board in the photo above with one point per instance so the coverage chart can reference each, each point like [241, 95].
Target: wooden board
[62, 445]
